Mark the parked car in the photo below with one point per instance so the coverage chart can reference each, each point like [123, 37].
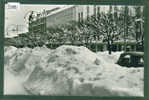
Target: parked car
[131, 59]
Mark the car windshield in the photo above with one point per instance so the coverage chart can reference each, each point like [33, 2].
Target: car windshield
[127, 56]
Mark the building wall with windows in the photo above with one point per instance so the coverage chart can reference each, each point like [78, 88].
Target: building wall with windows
[78, 13]
[64, 15]
[86, 11]
[61, 16]
[72, 13]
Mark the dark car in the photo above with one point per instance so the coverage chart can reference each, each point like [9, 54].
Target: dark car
[131, 59]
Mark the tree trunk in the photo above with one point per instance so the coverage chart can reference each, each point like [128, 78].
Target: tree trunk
[109, 47]
[96, 44]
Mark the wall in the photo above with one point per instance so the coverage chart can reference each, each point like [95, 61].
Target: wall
[74, 13]
[62, 17]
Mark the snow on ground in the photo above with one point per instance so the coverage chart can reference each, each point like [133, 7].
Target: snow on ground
[70, 70]
[13, 84]
[18, 65]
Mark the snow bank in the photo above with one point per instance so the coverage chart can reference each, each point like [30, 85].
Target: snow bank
[22, 61]
[76, 71]
[19, 63]
[13, 84]
[9, 53]
[69, 70]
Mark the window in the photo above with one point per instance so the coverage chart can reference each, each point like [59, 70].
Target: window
[98, 10]
[115, 12]
[81, 16]
[87, 12]
[95, 10]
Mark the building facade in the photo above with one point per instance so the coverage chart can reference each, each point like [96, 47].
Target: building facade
[64, 15]
[59, 16]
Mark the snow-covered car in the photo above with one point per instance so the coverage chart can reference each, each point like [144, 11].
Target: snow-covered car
[131, 59]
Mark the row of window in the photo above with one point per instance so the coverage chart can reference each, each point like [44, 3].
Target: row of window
[96, 10]
[80, 14]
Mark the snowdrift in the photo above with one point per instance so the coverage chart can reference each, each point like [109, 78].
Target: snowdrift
[19, 63]
[73, 71]
[22, 61]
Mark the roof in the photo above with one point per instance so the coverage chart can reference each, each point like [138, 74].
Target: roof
[61, 9]
[51, 10]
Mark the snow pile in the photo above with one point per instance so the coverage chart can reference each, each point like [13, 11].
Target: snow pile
[22, 61]
[13, 84]
[76, 71]
[113, 58]
[9, 53]
[69, 70]
[19, 63]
